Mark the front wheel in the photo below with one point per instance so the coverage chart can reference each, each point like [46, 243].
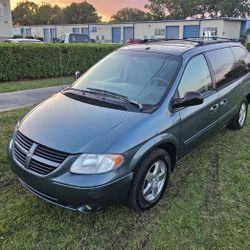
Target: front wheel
[150, 180]
[240, 118]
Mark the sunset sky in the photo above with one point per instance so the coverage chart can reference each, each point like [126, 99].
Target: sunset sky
[105, 8]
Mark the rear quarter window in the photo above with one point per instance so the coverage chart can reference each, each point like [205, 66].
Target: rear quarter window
[223, 64]
[242, 60]
[79, 38]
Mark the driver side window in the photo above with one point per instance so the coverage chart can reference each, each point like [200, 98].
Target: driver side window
[196, 77]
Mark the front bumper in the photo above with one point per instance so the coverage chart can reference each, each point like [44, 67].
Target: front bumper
[84, 193]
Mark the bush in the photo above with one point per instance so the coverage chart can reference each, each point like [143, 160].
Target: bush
[34, 61]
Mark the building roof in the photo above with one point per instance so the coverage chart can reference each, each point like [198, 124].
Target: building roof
[160, 21]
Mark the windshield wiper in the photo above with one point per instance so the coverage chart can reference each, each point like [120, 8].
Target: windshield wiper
[73, 89]
[117, 96]
[79, 90]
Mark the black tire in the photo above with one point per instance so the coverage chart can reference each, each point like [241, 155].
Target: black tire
[136, 198]
[235, 124]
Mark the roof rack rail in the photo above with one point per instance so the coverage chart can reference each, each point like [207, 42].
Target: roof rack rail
[200, 41]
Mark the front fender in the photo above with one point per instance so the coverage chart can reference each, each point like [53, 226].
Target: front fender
[150, 145]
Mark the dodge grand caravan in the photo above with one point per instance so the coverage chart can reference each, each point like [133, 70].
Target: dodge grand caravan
[117, 133]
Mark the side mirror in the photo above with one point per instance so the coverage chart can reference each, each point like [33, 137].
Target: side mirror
[77, 75]
[190, 99]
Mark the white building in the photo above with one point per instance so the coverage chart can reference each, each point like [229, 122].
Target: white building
[121, 32]
[5, 20]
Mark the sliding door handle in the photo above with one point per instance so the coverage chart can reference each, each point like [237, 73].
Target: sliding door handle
[214, 108]
[223, 102]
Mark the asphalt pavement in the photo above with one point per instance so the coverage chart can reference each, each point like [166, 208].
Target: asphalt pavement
[19, 99]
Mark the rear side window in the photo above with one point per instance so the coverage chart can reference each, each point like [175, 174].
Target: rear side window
[239, 53]
[242, 60]
[196, 77]
[78, 38]
[223, 64]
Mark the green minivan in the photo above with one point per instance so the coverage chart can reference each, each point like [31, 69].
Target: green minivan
[116, 134]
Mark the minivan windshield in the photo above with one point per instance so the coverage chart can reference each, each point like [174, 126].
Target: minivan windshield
[142, 77]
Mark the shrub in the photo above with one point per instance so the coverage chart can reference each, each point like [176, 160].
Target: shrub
[34, 61]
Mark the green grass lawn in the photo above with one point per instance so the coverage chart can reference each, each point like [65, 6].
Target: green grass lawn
[34, 84]
[207, 206]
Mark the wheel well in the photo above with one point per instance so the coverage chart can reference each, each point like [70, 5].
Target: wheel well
[248, 98]
[171, 149]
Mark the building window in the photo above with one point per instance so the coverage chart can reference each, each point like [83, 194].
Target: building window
[210, 32]
[76, 30]
[85, 31]
[160, 32]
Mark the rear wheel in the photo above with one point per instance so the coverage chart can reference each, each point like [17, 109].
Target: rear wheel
[239, 120]
[150, 180]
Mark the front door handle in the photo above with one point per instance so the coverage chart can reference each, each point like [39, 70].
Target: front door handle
[215, 107]
[223, 102]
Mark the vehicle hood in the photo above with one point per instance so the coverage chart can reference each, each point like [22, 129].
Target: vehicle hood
[75, 127]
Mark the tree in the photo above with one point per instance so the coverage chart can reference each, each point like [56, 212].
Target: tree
[24, 13]
[130, 15]
[48, 14]
[181, 9]
[234, 8]
[78, 13]
[175, 9]
[157, 8]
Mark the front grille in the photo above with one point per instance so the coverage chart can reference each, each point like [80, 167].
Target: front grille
[40, 167]
[20, 156]
[23, 141]
[50, 154]
[43, 160]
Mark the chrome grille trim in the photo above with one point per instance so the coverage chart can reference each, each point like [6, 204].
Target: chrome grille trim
[35, 157]
[23, 141]
[20, 156]
[41, 168]
[50, 154]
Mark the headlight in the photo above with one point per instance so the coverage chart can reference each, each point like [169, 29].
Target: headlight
[96, 164]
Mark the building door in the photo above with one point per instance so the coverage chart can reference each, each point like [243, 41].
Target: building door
[46, 37]
[191, 31]
[172, 32]
[128, 32]
[53, 34]
[116, 35]
[28, 32]
[22, 32]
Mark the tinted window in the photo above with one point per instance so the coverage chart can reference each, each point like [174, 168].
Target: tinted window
[196, 77]
[142, 77]
[239, 53]
[242, 61]
[78, 38]
[223, 62]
